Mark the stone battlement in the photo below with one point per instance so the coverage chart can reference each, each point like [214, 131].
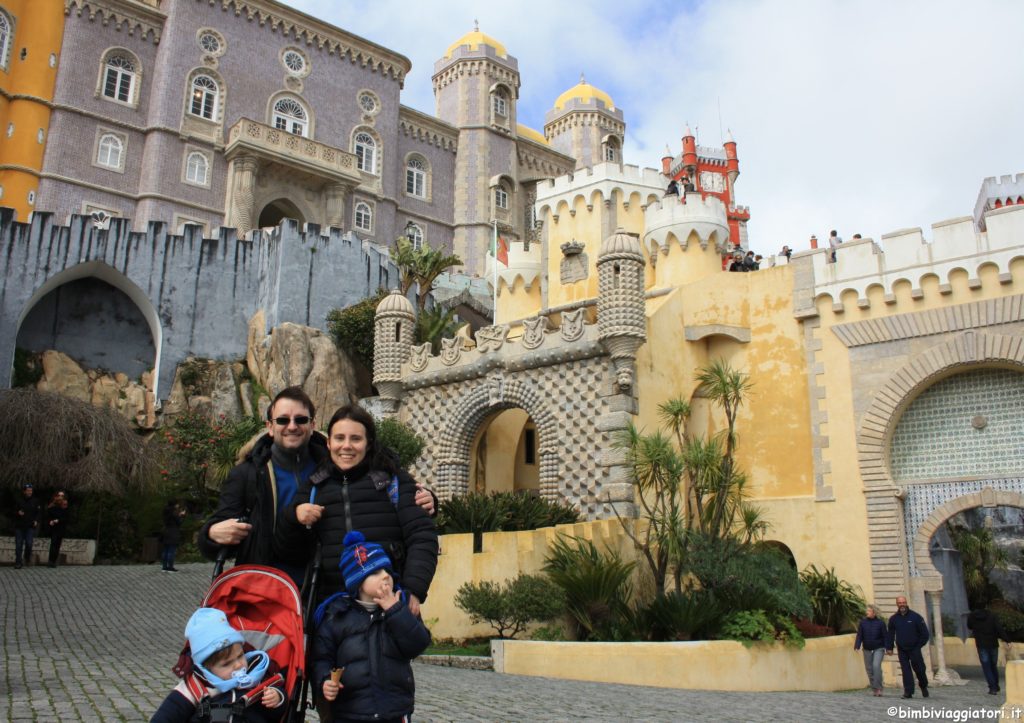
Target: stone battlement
[996, 193]
[523, 263]
[706, 216]
[603, 177]
[905, 255]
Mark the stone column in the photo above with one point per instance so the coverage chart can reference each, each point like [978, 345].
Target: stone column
[334, 204]
[243, 195]
[942, 675]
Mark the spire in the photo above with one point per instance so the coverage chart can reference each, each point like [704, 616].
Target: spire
[583, 78]
[476, 25]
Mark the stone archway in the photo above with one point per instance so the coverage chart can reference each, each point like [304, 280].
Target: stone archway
[113, 277]
[492, 394]
[273, 212]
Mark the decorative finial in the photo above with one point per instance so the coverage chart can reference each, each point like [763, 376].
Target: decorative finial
[583, 79]
[476, 25]
[668, 151]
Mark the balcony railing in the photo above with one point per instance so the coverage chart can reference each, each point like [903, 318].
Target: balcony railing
[248, 136]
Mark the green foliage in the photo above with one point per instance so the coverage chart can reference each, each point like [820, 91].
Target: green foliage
[596, 586]
[193, 373]
[1010, 619]
[435, 324]
[509, 608]
[401, 440]
[979, 555]
[549, 633]
[502, 511]
[679, 616]
[421, 266]
[836, 603]
[352, 328]
[28, 369]
[758, 626]
[747, 577]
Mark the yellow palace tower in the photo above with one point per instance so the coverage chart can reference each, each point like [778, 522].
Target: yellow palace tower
[30, 40]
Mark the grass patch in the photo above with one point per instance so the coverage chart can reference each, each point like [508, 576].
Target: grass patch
[480, 647]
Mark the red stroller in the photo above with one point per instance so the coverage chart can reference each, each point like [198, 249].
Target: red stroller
[265, 606]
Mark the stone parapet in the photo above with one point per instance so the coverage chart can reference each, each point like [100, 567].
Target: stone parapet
[705, 216]
[524, 264]
[604, 178]
[72, 551]
[906, 256]
[998, 192]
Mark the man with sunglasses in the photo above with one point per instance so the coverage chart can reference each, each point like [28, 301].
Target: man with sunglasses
[263, 484]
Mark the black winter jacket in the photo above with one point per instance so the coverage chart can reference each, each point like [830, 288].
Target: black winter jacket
[375, 650]
[249, 490]
[986, 627]
[908, 632]
[30, 509]
[358, 500]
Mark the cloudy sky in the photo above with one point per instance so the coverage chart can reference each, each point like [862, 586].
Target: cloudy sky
[857, 115]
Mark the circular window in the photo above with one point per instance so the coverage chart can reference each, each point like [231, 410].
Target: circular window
[368, 102]
[294, 62]
[209, 42]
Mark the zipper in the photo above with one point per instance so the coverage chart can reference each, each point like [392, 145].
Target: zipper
[348, 503]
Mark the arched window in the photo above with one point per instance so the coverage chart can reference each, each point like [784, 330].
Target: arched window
[500, 106]
[611, 149]
[204, 97]
[289, 115]
[416, 177]
[119, 77]
[5, 39]
[364, 217]
[109, 151]
[500, 198]
[366, 152]
[197, 168]
[415, 234]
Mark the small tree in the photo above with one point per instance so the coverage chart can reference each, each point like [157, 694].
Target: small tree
[401, 440]
[352, 328]
[509, 608]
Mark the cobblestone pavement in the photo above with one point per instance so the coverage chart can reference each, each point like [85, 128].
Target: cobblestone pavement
[97, 644]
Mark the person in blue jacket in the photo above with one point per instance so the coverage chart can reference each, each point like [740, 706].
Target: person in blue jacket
[871, 636]
[908, 633]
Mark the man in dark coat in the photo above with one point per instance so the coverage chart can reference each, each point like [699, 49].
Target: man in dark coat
[26, 522]
[987, 634]
[909, 633]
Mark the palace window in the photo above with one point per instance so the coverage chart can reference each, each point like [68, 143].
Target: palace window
[415, 234]
[500, 198]
[6, 36]
[197, 169]
[416, 177]
[110, 151]
[203, 102]
[119, 77]
[366, 152]
[289, 115]
[364, 217]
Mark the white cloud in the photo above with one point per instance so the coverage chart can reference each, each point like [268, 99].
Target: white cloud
[865, 115]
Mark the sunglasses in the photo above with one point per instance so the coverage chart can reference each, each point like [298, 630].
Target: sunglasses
[285, 421]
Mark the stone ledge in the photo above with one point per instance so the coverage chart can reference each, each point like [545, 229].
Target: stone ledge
[466, 662]
[72, 551]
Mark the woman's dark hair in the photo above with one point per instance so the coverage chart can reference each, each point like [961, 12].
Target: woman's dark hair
[379, 457]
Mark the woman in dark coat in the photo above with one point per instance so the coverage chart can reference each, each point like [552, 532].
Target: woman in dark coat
[170, 538]
[56, 520]
[871, 635]
[361, 488]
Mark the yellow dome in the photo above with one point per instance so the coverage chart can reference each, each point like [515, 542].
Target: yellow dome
[527, 132]
[474, 40]
[584, 91]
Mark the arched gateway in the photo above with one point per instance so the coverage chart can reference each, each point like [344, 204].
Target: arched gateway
[572, 376]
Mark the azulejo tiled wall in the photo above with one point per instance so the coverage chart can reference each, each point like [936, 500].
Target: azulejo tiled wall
[968, 425]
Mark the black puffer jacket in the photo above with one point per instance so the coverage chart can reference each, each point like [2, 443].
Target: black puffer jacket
[249, 490]
[358, 500]
[375, 650]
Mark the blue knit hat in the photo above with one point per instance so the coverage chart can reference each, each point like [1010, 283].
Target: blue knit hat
[360, 560]
[208, 631]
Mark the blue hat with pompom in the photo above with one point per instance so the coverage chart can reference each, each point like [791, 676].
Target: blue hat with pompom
[360, 560]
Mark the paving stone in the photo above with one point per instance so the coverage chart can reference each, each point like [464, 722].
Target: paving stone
[98, 643]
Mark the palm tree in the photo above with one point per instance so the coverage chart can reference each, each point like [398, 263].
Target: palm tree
[421, 266]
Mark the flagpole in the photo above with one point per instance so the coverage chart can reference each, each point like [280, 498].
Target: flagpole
[494, 249]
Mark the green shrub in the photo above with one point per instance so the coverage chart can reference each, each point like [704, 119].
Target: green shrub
[835, 603]
[549, 633]
[687, 616]
[352, 328]
[401, 440]
[509, 608]
[530, 512]
[758, 626]
[596, 586]
[502, 511]
[1010, 619]
[28, 369]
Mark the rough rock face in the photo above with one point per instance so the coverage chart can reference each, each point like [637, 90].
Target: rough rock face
[133, 400]
[295, 355]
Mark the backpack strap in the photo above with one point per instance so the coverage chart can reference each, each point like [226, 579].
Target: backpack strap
[393, 490]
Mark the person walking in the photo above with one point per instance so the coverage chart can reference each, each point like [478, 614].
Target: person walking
[56, 524]
[908, 633]
[170, 536]
[871, 636]
[987, 634]
[26, 522]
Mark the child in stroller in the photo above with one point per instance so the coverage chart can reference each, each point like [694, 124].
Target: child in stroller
[248, 669]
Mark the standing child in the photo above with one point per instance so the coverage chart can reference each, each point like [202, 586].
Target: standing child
[367, 635]
[227, 683]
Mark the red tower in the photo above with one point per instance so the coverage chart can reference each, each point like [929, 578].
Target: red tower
[712, 172]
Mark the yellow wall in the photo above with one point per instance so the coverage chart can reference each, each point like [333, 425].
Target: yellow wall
[26, 87]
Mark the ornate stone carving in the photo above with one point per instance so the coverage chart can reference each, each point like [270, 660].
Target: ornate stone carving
[451, 350]
[491, 338]
[495, 387]
[536, 328]
[572, 325]
[419, 357]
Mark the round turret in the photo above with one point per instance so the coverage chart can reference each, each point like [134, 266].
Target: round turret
[394, 321]
[475, 39]
[584, 91]
[621, 318]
